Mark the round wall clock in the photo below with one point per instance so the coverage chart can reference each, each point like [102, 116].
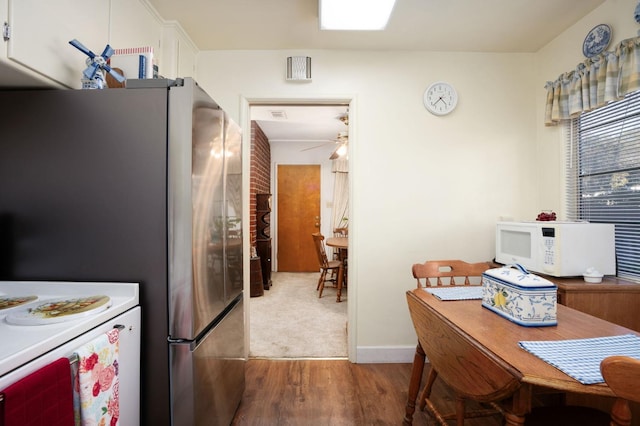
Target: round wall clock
[440, 98]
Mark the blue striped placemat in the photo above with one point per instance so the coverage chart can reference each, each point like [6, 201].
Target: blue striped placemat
[456, 292]
[581, 358]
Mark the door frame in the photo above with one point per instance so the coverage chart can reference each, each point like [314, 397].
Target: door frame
[245, 123]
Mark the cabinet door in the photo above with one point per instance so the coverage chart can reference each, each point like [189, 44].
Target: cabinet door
[178, 53]
[186, 60]
[41, 31]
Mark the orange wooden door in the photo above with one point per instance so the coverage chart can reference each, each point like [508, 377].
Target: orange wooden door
[298, 198]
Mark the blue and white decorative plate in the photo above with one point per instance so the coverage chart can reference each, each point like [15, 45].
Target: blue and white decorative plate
[596, 40]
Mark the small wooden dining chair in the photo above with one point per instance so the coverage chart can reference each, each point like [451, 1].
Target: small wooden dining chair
[340, 253]
[454, 272]
[326, 266]
[622, 375]
[341, 233]
[440, 273]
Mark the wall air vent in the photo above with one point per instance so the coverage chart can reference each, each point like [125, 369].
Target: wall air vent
[278, 115]
[299, 68]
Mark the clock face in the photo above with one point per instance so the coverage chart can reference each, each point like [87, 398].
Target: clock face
[440, 98]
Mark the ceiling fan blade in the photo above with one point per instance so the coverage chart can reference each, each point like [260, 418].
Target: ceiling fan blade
[317, 146]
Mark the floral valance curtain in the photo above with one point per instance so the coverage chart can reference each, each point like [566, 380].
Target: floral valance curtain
[596, 81]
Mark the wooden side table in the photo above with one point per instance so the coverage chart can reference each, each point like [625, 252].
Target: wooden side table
[614, 299]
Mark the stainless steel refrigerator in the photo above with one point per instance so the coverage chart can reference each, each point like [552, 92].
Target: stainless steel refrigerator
[141, 184]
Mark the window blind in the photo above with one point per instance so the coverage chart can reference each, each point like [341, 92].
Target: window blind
[603, 175]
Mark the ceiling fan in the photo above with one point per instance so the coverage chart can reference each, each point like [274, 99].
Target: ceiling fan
[341, 149]
[340, 141]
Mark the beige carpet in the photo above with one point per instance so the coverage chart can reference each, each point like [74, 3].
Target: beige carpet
[290, 321]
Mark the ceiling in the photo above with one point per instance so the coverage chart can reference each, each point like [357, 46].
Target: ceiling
[318, 124]
[432, 25]
[442, 25]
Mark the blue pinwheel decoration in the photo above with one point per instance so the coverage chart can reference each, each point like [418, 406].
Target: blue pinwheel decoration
[93, 75]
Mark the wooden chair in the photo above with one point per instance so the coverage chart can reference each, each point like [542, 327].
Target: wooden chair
[341, 254]
[339, 232]
[478, 375]
[326, 266]
[436, 270]
[439, 273]
[622, 375]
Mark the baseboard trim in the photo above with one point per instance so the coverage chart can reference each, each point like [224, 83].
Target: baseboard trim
[384, 354]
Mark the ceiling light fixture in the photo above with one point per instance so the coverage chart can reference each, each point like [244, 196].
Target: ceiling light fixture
[340, 152]
[355, 14]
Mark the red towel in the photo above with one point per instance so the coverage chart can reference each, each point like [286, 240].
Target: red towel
[43, 398]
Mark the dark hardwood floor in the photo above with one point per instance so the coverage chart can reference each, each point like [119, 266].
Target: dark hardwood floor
[333, 392]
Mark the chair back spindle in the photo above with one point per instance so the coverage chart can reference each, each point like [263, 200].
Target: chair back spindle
[454, 272]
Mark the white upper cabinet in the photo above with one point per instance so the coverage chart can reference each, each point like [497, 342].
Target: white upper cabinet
[137, 24]
[39, 35]
[35, 49]
[186, 59]
[179, 53]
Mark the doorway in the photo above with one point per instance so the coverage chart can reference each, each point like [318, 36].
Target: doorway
[304, 152]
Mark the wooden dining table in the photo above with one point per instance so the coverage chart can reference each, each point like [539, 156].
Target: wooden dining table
[338, 242]
[496, 340]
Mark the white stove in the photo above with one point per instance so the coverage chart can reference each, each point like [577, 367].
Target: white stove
[43, 328]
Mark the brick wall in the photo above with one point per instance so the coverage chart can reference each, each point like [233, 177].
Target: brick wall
[260, 176]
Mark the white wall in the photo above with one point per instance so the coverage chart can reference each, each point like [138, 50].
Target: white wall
[423, 187]
[135, 24]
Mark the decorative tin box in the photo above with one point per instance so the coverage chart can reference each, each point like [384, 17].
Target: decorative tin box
[524, 298]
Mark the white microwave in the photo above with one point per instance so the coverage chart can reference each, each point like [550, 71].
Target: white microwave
[559, 249]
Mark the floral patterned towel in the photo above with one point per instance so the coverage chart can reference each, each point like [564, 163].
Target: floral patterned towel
[96, 383]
